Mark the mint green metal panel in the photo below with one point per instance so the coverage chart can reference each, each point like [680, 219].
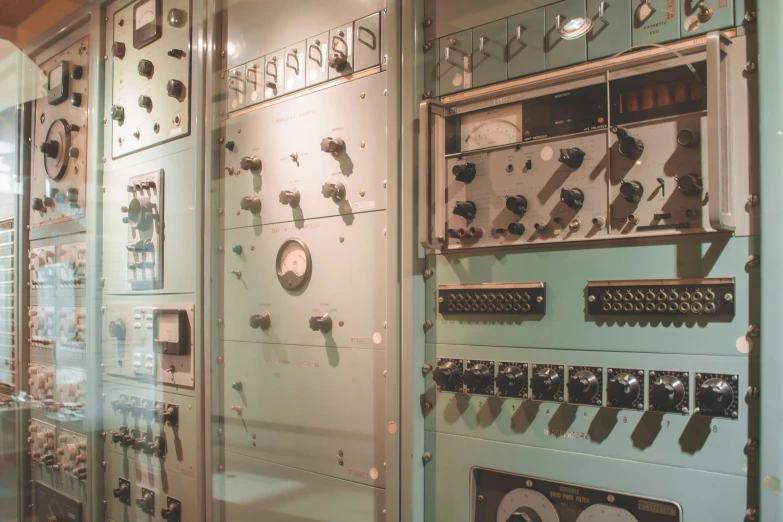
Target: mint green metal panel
[612, 32]
[722, 16]
[489, 53]
[655, 21]
[560, 52]
[455, 69]
[701, 495]
[526, 34]
[566, 274]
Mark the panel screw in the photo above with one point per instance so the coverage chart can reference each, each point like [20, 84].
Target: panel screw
[221, 468]
[426, 94]
[427, 406]
[752, 513]
[750, 67]
[220, 248]
[591, 298]
[428, 324]
[751, 445]
[427, 457]
[753, 330]
[220, 320]
[427, 23]
[428, 46]
[753, 200]
[540, 299]
[362, 95]
[529, 483]
[220, 359]
[753, 392]
[728, 298]
[428, 273]
[342, 239]
[753, 260]
[480, 498]
[425, 369]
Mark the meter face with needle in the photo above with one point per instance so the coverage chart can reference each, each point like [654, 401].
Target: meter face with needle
[491, 127]
[293, 264]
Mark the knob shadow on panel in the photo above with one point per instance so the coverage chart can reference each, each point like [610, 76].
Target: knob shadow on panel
[524, 415]
[489, 411]
[458, 404]
[695, 434]
[563, 417]
[647, 429]
[602, 424]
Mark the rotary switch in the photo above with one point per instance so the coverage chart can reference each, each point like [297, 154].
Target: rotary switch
[117, 436]
[666, 393]
[714, 397]
[76, 72]
[688, 138]
[545, 383]
[517, 204]
[631, 191]
[321, 322]
[250, 163]
[624, 390]
[173, 511]
[516, 229]
[572, 157]
[690, 184]
[464, 172]
[574, 198]
[76, 99]
[511, 381]
[118, 49]
[333, 146]
[175, 88]
[145, 102]
[627, 145]
[477, 377]
[251, 204]
[117, 113]
[289, 197]
[122, 493]
[334, 190]
[466, 209]
[582, 387]
[145, 68]
[146, 502]
[447, 375]
[128, 440]
[262, 320]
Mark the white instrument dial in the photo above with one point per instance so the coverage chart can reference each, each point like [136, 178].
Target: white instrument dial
[526, 505]
[491, 128]
[605, 513]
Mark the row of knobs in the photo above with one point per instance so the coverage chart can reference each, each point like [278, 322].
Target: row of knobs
[322, 323]
[55, 195]
[331, 189]
[623, 389]
[154, 447]
[146, 502]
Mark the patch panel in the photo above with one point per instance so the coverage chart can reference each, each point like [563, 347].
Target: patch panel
[493, 298]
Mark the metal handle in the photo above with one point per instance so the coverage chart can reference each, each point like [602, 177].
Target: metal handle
[251, 69]
[482, 39]
[336, 39]
[317, 46]
[718, 186]
[273, 63]
[601, 8]
[428, 235]
[295, 54]
[559, 18]
[366, 42]
[519, 34]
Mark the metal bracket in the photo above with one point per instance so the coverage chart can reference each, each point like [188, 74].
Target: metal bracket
[428, 236]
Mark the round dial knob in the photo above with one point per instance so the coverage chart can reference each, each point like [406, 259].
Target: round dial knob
[76, 72]
[572, 157]
[464, 172]
[466, 209]
[478, 376]
[517, 204]
[627, 145]
[623, 390]
[546, 381]
[526, 505]
[146, 502]
[118, 49]
[139, 212]
[446, 374]
[334, 190]
[253, 204]
[121, 491]
[667, 392]
[175, 88]
[38, 204]
[516, 229]
[76, 99]
[117, 113]
[250, 163]
[261, 320]
[631, 191]
[690, 184]
[176, 17]
[171, 512]
[582, 385]
[145, 68]
[605, 512]
[687, 138]
[289, 197]
[715, 395]
[574, 197]
[332, 145]
[145, 102]
[511, 381]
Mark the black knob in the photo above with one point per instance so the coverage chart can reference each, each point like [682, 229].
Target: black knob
[623, 390]
[48, 459]
[145, 101]
[516, 229]
[145, 68]
[627, 145]
[511, 380]
[116, 437]
[156, 447]
[666, 392]
[572, 157]
[117, 113]
[50, 148]
[250, 203]
[478, 376]
[177, 17]
[38, 204]
[517, 204]
[446, 374]
[574, 198]
[146, 502]
[118, 49]
[464, 172]
[172, 512]
[76, 72]
[714, 396]
[76, 99]
[73, 152]
[631, 191]
[122, 492]
[466, 209]
[261, 320]
[250, 163]
[139, 444]
[175, 88]
[321, 322]
[128, 440]
[170, 415]
[583, 385]
[338, 61]
[545, 382]
[690, 184]
[687, 138]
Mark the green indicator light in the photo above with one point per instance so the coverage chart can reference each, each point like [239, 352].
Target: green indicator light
[237, 249]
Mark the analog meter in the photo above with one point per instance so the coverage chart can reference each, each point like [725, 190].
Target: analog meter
[491, 128]
[146, 22]
[293, 264]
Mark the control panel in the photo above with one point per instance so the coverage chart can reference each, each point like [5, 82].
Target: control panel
[150, 74]
[59, 173]
[51, 505]
[144, 216]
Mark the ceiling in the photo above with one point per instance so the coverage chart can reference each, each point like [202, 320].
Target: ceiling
[23, 20]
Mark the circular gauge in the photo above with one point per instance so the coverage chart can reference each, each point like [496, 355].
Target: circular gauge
[605, 513]
[293, 264]
[526, 505]
[145, 14]
[55, 149]
[495, 127]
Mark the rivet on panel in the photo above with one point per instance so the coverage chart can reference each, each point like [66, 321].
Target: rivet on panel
[361, 193]
[342, 239]
[428, 273]
[427, 457]
[428, 324]
[220, 248]
[341, 323]
[753, 260]
[362, 96]
[362, 144]
[220, 320]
